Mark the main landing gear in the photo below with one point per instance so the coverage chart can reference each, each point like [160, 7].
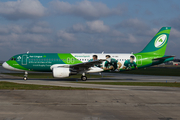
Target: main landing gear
[83, 77]
[25, 75]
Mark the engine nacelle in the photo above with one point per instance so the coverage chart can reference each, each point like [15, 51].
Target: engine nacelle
[59, 65]
[61, 72]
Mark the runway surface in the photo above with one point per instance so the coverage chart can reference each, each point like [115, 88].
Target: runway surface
[113, 102]
[121, 104]
[76, 84]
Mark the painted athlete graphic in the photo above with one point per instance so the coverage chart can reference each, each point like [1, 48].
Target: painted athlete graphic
[66, 64]
[95, 57]
[129, 64]
[112, 64]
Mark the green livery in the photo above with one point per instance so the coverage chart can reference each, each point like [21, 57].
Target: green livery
[41, 61]
[156, 48]
[65, 64]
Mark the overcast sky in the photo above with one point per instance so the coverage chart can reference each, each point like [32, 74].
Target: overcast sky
[92, 26]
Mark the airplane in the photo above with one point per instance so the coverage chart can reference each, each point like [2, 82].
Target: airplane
[65, 64]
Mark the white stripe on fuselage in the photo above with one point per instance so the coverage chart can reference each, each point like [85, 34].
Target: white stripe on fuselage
[84, 57]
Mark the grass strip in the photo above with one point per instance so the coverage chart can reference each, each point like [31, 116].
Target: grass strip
[162, 84]
[17, 86]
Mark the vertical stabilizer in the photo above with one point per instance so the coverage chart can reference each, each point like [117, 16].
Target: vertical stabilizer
[157, 45]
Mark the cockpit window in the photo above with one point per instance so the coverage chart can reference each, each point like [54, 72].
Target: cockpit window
[13, 59]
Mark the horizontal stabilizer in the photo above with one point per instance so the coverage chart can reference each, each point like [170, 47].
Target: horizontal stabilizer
[163, 58]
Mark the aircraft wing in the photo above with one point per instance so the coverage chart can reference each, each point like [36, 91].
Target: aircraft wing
[80, 66]
[88, 64]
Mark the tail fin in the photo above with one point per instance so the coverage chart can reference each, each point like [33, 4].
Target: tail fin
[157, 45]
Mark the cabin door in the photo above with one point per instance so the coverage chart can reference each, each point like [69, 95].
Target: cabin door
[24, 60]
[139, 60]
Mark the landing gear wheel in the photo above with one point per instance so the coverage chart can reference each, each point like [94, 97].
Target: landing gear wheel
[25, 78]
[83, 78]
[25, 75]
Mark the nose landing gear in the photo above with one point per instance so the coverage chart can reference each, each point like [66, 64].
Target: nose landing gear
[25, 75]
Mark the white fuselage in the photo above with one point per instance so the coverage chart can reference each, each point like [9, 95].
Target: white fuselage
[85, 57]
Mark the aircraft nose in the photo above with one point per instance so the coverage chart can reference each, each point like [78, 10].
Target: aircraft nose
[5, 65]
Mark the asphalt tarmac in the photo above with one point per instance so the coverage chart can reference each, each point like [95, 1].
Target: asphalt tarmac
[125, 104]
[111, 103]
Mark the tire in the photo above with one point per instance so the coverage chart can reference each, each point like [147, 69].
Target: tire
[83, 78]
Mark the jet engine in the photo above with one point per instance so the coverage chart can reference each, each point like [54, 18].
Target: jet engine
[61, 72]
